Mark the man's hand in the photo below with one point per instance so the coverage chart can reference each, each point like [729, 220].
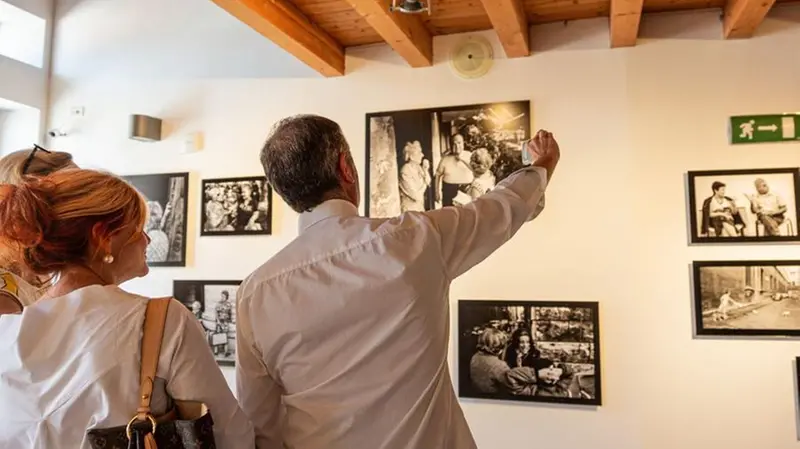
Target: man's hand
[426, 165]
[545, 152]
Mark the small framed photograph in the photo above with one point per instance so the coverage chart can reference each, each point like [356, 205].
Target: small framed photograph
[213, 304]
[533, 351]
[755, 298]
[759, 205]
[166, 197]
[236, 206]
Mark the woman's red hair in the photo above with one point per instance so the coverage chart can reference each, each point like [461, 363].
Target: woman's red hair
[49, 222]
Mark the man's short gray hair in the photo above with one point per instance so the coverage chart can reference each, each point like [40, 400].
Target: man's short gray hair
[301, 158]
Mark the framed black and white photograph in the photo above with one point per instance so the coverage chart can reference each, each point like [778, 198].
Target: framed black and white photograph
[758, 298]
[236, 206]
[758, 205]
[166, 197]
[213, 304]
[534, 351]
[425, 159]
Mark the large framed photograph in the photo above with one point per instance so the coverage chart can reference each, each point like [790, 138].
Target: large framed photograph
[535, 351]
[424, 159]
[166, 197]
[758, 205]
[757, 298]
[236, 206]
[213, 304]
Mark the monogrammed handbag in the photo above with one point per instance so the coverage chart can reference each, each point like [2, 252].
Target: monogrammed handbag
[187, 426]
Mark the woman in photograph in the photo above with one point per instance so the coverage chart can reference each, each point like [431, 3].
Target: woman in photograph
[19, 287]
[89, 229]
[158, 249]
[721, 217]
[521, 351]
[481, 162]
[415, 178]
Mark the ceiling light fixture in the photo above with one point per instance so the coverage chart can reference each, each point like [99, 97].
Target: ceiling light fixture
[410, 7]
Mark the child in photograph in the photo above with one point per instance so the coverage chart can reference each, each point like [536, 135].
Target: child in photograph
[484, 181]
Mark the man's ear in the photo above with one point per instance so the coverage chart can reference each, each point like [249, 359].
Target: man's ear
[346, 168]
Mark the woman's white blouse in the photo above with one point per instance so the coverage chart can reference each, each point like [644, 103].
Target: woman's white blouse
[71, 364]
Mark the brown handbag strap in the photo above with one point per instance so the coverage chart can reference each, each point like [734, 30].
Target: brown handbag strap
[154, 319]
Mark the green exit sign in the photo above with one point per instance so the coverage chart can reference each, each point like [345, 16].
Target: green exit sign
[765, 128]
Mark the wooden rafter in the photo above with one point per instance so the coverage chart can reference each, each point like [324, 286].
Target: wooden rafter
[742, 17]
[511, 24]
[624, 22]
[405, 33]
[283, 24]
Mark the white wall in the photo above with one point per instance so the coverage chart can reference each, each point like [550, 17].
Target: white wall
[19, 128]
[631, 122]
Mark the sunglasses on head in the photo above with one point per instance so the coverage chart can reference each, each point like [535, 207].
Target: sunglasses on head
[29, 160]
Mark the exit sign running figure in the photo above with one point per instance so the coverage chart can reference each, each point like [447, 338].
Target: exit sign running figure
[765, 128]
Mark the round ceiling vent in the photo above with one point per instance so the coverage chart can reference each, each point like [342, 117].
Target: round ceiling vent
[472, 57]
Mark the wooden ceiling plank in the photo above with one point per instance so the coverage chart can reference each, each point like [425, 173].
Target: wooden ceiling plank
[742, 17]
[625, 16]
[511, 25]
[283, 24]
[405, 33]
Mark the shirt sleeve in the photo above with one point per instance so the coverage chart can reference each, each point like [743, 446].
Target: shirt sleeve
[195, 376]
[258, 392]
[469, 234]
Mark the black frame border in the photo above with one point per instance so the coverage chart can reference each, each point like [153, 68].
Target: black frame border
[203, 283]
[204, 233]
[594, 306]
[694, 235]
[697, 300]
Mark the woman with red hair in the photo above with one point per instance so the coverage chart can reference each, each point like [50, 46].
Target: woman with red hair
[19, 288]
[71, 360]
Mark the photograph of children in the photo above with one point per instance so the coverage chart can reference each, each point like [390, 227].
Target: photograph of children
[166, 198]
[236, 206]
[747, 298]
[213, 304]
[754, 205]
[529, 351]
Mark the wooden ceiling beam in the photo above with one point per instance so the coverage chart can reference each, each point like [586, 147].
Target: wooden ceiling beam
[511, 25]
[282, 23]
[405, 33]
[742, 17]
[624, 22]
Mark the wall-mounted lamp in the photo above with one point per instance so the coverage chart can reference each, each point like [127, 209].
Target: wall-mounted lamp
[145, 128]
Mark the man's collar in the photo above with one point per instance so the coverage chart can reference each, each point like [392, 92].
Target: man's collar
[330, 208]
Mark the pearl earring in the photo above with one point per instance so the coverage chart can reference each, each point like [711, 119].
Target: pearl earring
[108, 258]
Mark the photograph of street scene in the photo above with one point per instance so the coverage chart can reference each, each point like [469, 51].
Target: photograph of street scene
[529, 351]
[747, 298]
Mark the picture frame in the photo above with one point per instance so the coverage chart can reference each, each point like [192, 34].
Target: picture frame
[746, 298]
[213, 304]
[167, 198]
[725, 206]
[558, 363]
[251, 214]
[408, 150]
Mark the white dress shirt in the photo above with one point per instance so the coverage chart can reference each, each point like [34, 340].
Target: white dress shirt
[342, 337]
[70, 364]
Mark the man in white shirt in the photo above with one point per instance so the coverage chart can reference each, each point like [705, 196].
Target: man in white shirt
[342, 337]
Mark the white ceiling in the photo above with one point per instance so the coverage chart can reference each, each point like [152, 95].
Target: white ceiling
[164, 39]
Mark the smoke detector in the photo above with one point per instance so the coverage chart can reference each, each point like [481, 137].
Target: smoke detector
[472, 58]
